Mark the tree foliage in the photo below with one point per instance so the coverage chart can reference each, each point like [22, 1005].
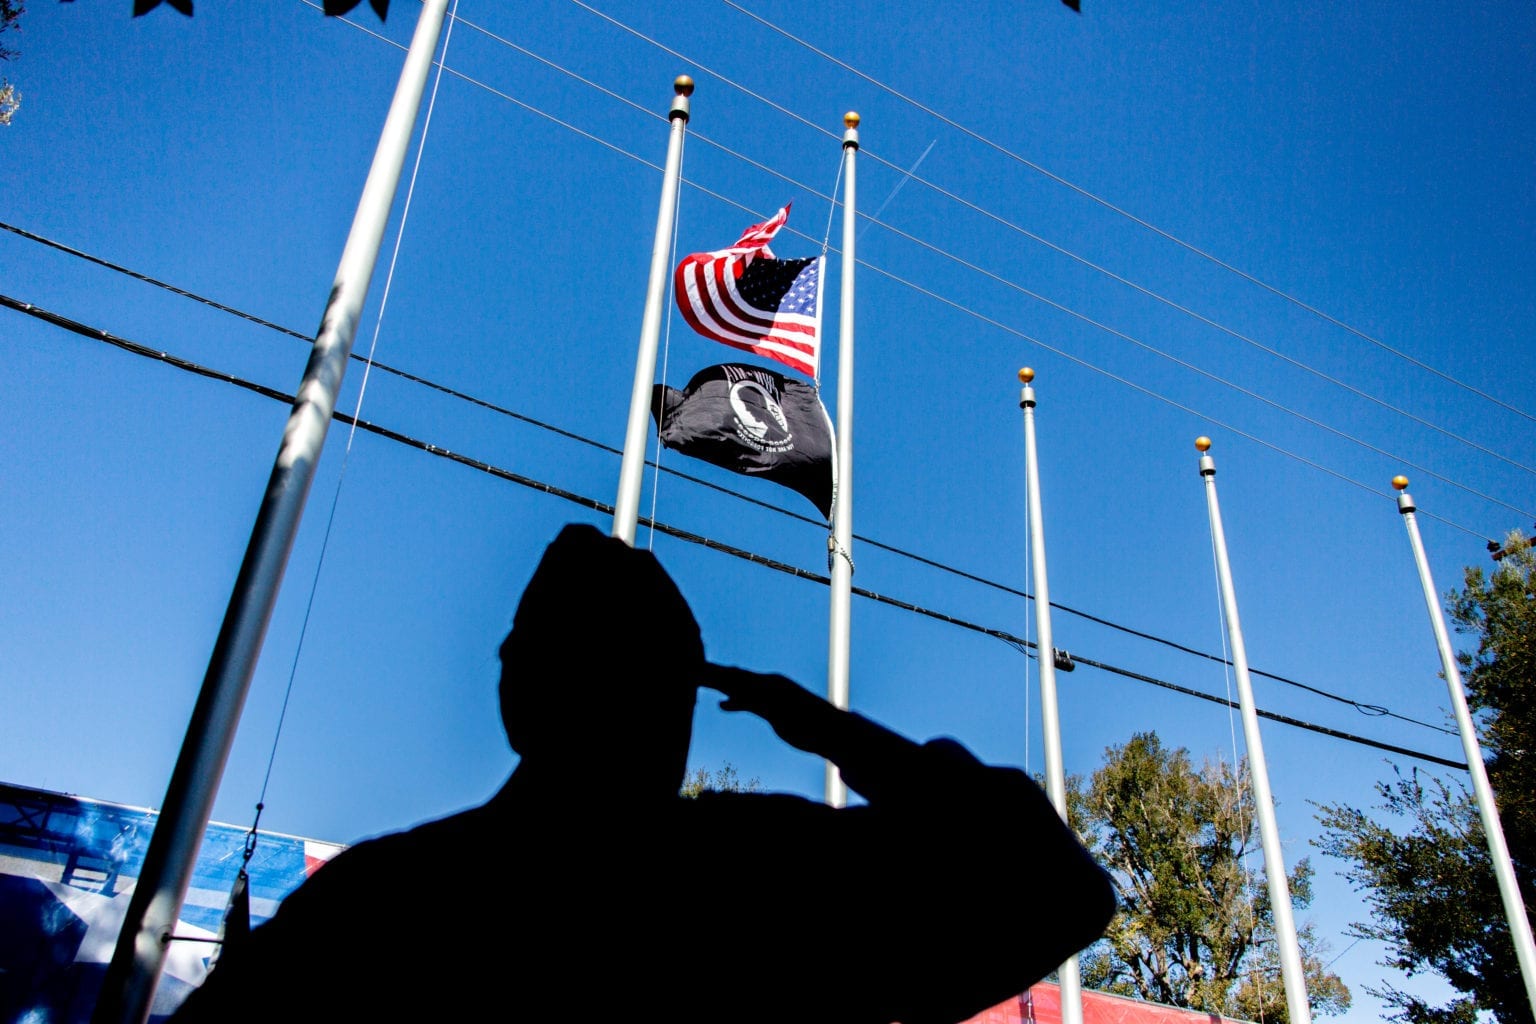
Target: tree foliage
[10, 18]
[1427, 876]
[331, 7]
[1195, 928]
[724, 779]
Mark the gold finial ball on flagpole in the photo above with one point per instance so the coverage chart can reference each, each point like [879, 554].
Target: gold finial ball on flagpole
[851, 119]
[1400, 482]
[1026, 375]
[683, 85]
[1203, 443]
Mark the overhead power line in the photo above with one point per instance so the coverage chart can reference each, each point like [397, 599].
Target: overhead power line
[1402, 462]
[146, 351]
[1374, 710]
[1106, 204]
[1161, 354]
[1009, 225]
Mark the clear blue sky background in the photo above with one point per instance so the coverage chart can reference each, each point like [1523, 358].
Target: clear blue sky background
[1372, 161]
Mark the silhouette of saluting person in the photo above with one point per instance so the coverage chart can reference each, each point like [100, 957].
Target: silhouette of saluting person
[587, 887]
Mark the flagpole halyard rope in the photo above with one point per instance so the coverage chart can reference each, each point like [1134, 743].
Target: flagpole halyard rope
[1246, 823]
[836, 550]
[314, 585]
[837, 181]
[1029, 621]
[666, 356]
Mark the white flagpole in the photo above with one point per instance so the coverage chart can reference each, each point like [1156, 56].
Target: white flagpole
[626, 508]
[1509, 889]
[1258, 771]
[128, 988]
[840, 544]
[1055, 772]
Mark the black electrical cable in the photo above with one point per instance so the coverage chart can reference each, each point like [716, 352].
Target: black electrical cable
[1372, 710]
[97, 334]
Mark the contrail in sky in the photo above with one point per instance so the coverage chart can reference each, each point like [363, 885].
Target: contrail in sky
[901, 184]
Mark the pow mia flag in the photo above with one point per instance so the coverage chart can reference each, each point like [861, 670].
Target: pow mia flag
[754, 421]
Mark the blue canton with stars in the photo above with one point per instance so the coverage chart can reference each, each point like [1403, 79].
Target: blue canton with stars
[781, 286]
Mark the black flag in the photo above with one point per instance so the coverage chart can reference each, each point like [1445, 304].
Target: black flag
[754, 421]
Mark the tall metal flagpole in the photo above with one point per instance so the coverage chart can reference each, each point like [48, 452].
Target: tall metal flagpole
[1509, 889]
[1258, 771]
[841, 543]
[1055, 773]
[128, 989]
[626, 507]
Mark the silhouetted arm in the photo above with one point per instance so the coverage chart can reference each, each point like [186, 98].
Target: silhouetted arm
[975, 847]
[875, 761]
[879, 764]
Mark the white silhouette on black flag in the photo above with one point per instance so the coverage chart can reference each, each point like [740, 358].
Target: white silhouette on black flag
[754, 421]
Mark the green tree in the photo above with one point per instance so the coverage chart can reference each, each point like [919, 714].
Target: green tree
[1195, 928]
[1427, 876]
[10, 17]
[723, 779]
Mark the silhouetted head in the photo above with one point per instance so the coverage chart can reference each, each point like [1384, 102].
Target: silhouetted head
[600, 671]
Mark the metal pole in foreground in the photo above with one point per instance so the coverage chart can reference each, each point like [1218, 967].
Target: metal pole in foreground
[128, 989]
[1503, 869]
[1269, 831]
[841, 542]
[626, 507]
[1055, 771]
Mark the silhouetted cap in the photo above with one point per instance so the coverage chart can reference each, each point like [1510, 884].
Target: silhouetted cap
[603, 613]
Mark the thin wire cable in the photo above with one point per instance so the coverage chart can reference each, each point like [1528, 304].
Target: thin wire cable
[330, 520]
[961, 261]
[1201, 318]
[1363, 708]
[1195, 250]
[910, 174]
[1374, 710]
[1218, 379]
[1097, 369]
[1221, 623]
[1352, 945]
[707, 69]
[1279, 406]
[1037, 238]
[1148, 391]
[604, 508]
[1029, 621]
[826, 244]
[1408, 463]
[837, 183]
[138, 276]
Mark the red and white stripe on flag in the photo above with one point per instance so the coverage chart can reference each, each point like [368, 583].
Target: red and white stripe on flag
[746, 298]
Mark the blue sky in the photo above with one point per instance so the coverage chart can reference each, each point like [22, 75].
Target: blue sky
[1365, 161]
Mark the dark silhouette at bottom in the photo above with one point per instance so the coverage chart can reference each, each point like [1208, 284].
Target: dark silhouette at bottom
[602, 894]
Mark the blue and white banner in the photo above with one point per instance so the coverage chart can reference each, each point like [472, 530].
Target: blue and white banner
[67, 869]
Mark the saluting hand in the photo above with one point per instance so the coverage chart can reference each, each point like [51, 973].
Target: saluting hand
[800, 718]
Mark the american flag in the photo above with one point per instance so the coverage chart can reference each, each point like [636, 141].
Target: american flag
[745, 298]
